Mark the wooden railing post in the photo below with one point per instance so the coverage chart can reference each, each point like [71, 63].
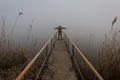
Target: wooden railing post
[65, 39]
[46, 50]
[51, 41]
[68, 45]
[72, 50]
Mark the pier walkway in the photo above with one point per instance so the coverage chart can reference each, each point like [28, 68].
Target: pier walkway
[59, 60]
[60, 65]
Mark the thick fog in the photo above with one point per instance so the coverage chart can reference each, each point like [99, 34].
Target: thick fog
[87, 20]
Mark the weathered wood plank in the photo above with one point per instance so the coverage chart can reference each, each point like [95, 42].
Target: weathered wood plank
[59, 64]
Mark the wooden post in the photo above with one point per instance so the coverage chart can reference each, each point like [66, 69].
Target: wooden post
[51, 41]
[72, 50]
[68, 45]
[46, 50]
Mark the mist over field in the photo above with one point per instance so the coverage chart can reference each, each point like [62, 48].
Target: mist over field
[87, 21]
[30, 23]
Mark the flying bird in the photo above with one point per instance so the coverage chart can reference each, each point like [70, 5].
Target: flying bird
[115, 19]
[20, 13]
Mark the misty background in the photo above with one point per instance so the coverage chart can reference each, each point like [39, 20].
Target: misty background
[87, 20]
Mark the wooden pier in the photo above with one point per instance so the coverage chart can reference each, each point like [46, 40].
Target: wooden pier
[60, 65]
[60, 61]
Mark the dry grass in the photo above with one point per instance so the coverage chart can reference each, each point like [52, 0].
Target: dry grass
[12, 60]
[109, 62]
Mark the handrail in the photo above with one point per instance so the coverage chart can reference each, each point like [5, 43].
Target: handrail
[87, 62]
[20, 76]
[85, 59]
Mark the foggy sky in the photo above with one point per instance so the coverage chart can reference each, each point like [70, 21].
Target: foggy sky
[87, 20]
[81, 17]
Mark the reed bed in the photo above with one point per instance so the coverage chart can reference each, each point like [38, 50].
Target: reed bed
[109, 62]
[12, 59]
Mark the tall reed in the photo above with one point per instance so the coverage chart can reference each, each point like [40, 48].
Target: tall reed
[109, 65]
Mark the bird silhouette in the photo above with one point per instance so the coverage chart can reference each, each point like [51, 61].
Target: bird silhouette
[20, 13]
[115, 19]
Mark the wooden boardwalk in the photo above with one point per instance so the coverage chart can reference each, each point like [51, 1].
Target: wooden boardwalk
[59, 64]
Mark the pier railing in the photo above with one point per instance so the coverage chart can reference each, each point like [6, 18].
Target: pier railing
[80, 61]
[35, 66]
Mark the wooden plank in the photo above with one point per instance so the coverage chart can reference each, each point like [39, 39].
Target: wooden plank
[59, 64]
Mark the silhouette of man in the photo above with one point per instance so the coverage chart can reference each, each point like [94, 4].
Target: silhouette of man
[60, 32]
